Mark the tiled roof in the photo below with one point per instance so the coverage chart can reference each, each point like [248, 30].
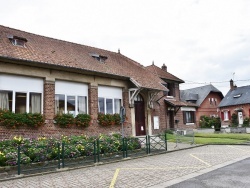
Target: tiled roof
[198, 94]
[52, 52]
[237, 96]
[176, 103]
[163, 74]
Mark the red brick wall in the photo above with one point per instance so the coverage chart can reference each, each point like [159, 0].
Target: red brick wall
[208, 108]
[245, 110]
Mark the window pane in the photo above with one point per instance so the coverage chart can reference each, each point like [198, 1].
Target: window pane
[117, 105]
[20, 103]
[82, 107]
[59, 104]
[71, 105]
[109, 106]
[6, 100]
[35, 102]
[101, 105]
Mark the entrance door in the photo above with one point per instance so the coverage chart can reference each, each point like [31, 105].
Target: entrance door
[171, 119]
[139, 116]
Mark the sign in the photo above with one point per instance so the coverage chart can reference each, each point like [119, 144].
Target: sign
[156, 122]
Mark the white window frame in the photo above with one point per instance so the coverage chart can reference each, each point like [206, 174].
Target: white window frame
[226, 116]
[21, 84]
[109, 92]
[75, 89]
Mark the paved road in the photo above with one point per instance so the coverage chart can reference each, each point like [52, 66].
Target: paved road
[163, 170]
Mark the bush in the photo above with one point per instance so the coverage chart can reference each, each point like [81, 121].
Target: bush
[12, 120]
[246, 122]
[64, 120]
[82, 120]
[234, 120]
[216, 123]
[108, 119]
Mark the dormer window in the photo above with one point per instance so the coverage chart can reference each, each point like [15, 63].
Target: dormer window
[99, 57]
[17, 41]
[238, 95]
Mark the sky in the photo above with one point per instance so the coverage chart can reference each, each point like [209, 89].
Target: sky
[200, 41]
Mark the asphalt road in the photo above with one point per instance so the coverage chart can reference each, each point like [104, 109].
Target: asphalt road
[234, 175]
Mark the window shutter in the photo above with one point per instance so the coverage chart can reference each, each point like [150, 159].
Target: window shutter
[194, 114]
[184, 117]
[229, 115]
[222, 116]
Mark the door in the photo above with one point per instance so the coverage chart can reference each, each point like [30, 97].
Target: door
[171, 119]
[140, 127]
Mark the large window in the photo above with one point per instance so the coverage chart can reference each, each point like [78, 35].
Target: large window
[109, 106]
[109, 99]
[70, 104]
[21, 94]
[189, 117]
[71, 98]
[18, 101]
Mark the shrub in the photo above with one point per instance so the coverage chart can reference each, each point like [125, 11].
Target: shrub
[234, 120]
[206, 122]
[12, 120]
[82, 120]
[108, 119]
[246, 122]
[64, 120]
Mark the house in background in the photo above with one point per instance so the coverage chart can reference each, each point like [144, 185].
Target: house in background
[207, 98]
[50, 76]
[175, 113]
[236, 101]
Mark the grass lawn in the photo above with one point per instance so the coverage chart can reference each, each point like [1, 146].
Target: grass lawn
[213, 138]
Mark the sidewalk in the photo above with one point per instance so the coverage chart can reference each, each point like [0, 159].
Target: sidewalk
[152, 171]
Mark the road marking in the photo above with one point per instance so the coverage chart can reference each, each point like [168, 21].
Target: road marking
[112, 184]
[167, 168]
[200, 160]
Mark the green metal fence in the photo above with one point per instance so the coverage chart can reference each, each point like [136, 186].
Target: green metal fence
[63, 154]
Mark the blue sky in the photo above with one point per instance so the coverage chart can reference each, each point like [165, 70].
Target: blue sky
[200, 41]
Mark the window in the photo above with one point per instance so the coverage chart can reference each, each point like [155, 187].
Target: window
[6, 100]
[188, 116]
[98, 57]
[70, 104]
[35, 103]
[17, 41]
[171, 88]
[109, 99]
[109, 106]
[71, 98]
[21, 94]
[226, 116]
[19, 101]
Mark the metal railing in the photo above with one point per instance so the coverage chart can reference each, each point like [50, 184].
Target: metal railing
[62, 154]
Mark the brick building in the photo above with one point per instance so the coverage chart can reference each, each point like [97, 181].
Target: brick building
[50, 76]
[236, 101]
[207, 98]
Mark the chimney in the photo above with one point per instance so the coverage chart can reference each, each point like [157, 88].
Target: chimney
[164, 67]
[232, 86]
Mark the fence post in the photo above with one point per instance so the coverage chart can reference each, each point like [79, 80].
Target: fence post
[18, 160]
[123, 148]
[149, 144]
[95, 151]
[63, 145]
[166, 142]
[98, 150]
[58, 155]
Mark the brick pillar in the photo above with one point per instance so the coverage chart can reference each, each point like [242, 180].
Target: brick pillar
[49, 100]
[128, 122]
[93, 102]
